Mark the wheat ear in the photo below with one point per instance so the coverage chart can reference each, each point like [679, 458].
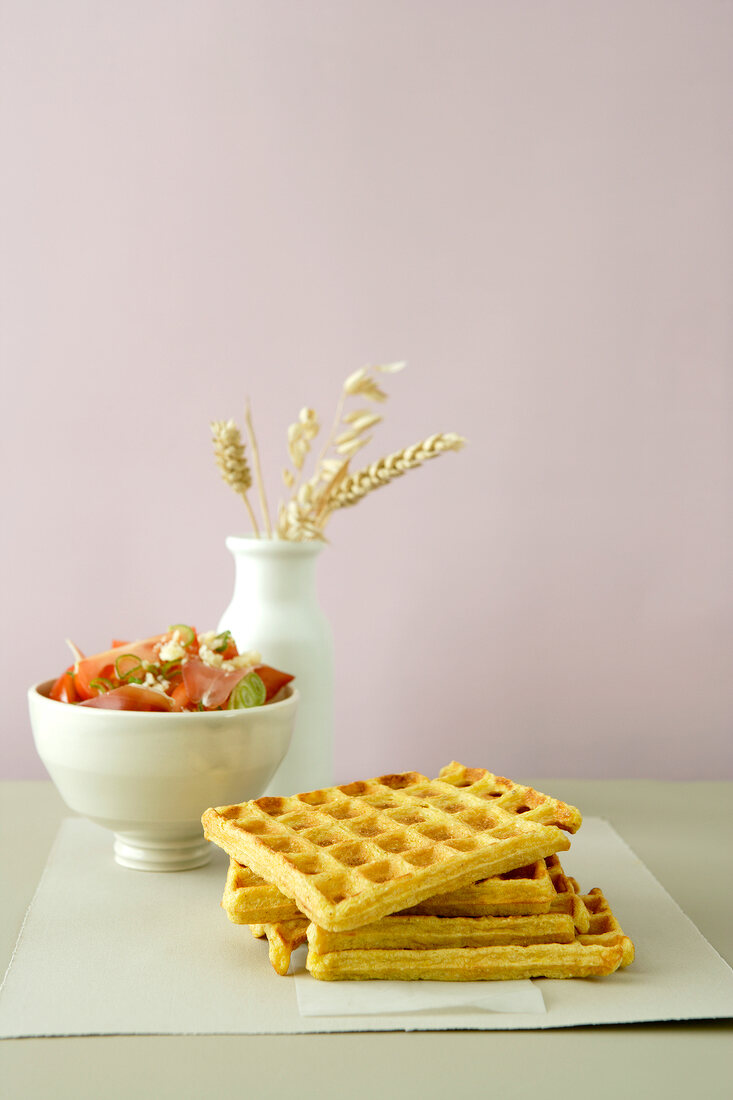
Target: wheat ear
[357, 485]
[230, 458]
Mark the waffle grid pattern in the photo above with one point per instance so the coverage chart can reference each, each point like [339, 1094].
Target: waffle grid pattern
[348, 855]
[248, 899]
[513, 797]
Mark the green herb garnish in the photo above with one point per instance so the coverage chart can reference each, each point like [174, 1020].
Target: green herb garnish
[186, 633]
[102, 684]
[249, 692]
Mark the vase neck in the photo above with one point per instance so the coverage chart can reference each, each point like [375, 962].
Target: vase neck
[274, 570]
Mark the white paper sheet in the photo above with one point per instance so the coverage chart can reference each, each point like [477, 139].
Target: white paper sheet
[388, 998]
[105, 950]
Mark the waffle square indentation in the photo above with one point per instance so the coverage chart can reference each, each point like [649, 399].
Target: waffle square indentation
[278, 843]
[323, 836]
[423, 857]
[306, 862]
[343, 811]
[352, 853]
[380, 871]
[368, 827]
[393, 842]
[479, 818]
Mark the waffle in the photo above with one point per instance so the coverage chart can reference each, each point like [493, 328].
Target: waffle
[513, 797]
[405, 931]
[520, 892]
[598, 952]
[604, 930]
[248, 899]
[283, 937]
[559, 893]
[349, 855]
[540, 888]
[567, 898]
[410, 933]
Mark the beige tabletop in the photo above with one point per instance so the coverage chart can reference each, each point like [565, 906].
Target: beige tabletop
[681, 831]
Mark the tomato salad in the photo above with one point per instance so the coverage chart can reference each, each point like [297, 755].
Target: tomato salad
[176, 671]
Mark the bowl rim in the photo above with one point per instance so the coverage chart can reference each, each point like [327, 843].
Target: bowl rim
[291, 699]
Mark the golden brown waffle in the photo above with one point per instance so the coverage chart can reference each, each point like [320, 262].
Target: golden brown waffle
[412, 933]
[249, 899]
[400, 931]
[407, 932]
[599, 952]
[283, 937]
[542, 887]
[604, 930]
[567, 898]
[513, 797]
[520, 892]
[565, 904]
[349, 855]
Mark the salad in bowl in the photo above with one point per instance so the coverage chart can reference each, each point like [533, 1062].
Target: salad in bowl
[176, 671]
[145, 736]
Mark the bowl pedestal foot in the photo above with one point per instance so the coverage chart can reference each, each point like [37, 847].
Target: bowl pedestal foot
[143, 853]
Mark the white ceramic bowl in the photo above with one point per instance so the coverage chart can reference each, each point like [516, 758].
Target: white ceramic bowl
[149, 776]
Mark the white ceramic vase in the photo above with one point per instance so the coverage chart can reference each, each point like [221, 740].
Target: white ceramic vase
[275, 610]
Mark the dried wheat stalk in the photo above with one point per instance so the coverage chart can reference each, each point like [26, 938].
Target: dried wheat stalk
[300, 436]
[296, 519]
[353, 425]
[355, 486]
[258, 471]
[231, 460]
[305, 515]
[331, 486]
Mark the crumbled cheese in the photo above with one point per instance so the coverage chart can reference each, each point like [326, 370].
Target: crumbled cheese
[160, 685]
[214, 660]
[172, 650]
[243, 661]
[251, 657]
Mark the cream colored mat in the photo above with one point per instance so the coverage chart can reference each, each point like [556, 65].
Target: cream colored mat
[107, 951]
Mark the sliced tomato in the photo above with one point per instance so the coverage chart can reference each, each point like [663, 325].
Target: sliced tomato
[180, 696]
[103, 664]
[132, 697]
[64, 691]
[273, 680]
[210, 686]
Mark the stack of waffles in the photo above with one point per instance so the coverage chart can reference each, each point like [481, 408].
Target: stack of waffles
[404, 877]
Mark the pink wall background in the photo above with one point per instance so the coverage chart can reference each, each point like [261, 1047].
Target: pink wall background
[531, 203]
